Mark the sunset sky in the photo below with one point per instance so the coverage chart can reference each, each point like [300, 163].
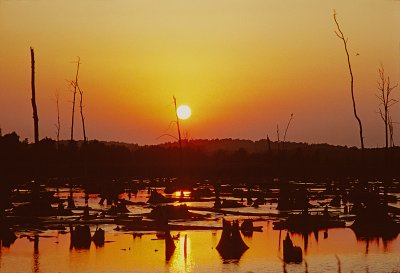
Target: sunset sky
[242, 66]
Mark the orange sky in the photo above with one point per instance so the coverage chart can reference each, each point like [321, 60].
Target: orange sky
[242, 66]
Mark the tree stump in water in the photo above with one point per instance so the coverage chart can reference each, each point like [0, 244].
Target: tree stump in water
[291, 253]
[80, 237]
[231, 244]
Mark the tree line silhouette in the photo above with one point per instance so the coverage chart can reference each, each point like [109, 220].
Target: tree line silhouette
[203, 159]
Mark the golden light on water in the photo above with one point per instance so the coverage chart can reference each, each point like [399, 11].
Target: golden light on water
[182, 193]
[183, 112]
[181, 261]
[127, 253]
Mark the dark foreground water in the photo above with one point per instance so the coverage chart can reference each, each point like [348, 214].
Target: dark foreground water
[128, 253]
[142, 252]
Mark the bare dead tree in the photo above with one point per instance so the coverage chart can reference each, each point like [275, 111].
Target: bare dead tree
[286, 130]
[74, 85]
[76, 88]
[178, 128]
[58, 124]
[33, 99]
[81, 111]
[341, 36]
[386, 101]
[277, 134]
[83, 129]
[391, 132]
[166, 134]
[179, 138]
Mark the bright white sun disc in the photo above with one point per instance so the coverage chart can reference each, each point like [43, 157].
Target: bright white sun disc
[183, 112]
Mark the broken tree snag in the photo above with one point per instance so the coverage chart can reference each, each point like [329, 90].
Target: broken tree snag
[33, 99]
[179, 131]
[391, 132]
[277, 134]
[286, 130]
[58, 124]
[82, 116]
[75, 86]
[386, 101]
[341, 36]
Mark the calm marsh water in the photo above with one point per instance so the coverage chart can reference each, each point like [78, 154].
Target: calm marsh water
[141, 252]
[128, 253]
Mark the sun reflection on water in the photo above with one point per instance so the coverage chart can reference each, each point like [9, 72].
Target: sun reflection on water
[182, 193]
[124, 252]
[181, 261]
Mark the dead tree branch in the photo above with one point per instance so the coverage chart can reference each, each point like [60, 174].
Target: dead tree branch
[286, 130]
[277, 134]
[33, 99]
[391, 132]
[386, 101]
[58, 124]
[81, 111]
[168, 135]
[179, 129]
[74, 84]
[341, 36]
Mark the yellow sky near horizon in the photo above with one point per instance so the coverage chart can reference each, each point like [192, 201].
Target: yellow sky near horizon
[242, 66]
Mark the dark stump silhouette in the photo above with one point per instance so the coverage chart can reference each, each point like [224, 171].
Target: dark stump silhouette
[157, 198]
[7, 235]
[80, 237]
[248, 228]
[231, 244]
[120, 207]
[169, 245]
[99, 237]
[373, 220]
[71, 203]
[291, 253]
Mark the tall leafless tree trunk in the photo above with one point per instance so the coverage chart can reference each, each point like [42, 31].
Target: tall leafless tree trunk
[286, 130]
[74, 85]
[179, 129]
[58, 124]
[82, 116]
[83, 129]
[76, 88]
[384, 96]
[277, 135]
[341, 36]
[391, 133]
[33, 99]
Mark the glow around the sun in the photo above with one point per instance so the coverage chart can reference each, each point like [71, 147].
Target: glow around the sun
[184, 112]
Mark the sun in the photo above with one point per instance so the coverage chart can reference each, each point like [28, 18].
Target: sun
[183, 112]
